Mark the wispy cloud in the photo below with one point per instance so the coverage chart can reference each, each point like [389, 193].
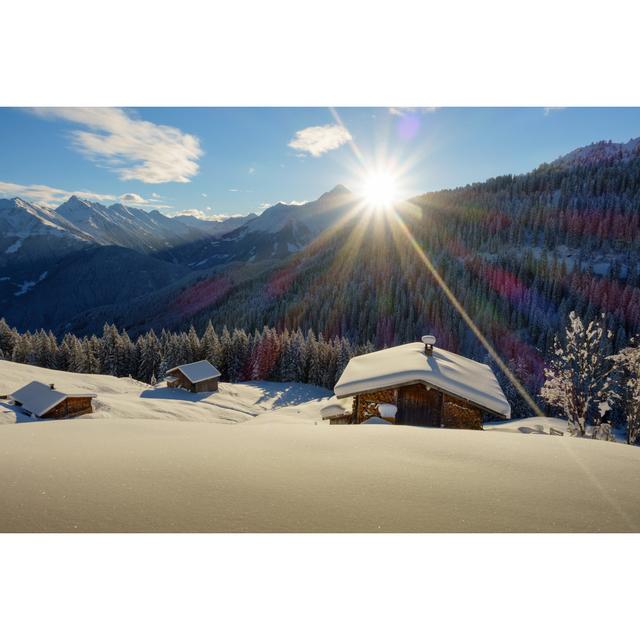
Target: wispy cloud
[135, 149]
[252, 170]
[49, 196]
[132, 198]
[201, 215]
[550, 110]
[137, 200]
[196, 213]
[318, 140]
[43, 194]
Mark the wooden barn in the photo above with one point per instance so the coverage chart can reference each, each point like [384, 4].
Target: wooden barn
[45, 401]
[195, 377]
[417, 384]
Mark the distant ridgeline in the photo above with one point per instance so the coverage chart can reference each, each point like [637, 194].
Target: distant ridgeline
[518, 252]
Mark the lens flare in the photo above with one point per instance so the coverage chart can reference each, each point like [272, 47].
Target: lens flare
[379, 189]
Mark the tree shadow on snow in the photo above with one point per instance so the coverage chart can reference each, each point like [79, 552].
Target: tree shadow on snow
[285, 394]
[537, 429]
[164, 393]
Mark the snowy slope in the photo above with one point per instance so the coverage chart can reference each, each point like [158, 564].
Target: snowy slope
[126, 226]
[127, 398]
[91, 222]
[600, 152]
[256, 457]
[28, 229]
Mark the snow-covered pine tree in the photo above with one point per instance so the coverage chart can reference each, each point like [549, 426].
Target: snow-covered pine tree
[628, 364]
[225, 353]
[109, 356]
[22, 348]
[210, 345]
[193, 345]
[235, 346]
[8, 338]
[92, 364]
[578, 378]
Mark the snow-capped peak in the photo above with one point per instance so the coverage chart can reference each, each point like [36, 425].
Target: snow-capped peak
[338, 190]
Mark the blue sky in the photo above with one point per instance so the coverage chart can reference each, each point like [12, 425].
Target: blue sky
[225, 161]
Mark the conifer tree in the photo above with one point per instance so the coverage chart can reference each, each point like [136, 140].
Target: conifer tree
[578, 379]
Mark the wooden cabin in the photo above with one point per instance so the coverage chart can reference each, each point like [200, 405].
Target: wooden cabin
[428, 386]
[45, 401]
[337, 411]
[196, 377]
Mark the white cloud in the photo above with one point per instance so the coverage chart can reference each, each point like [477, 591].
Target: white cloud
[403, 111]
[321, 139]
[252, 170]
[198, 213]
[548, 110]
[137, 199]
[48, 196]
[133, 198]
[204, 195]
[234, 190]
[134, 149]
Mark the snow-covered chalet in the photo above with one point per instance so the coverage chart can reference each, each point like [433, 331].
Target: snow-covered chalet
[417, 384]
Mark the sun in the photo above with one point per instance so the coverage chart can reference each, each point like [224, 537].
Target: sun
[380, 189]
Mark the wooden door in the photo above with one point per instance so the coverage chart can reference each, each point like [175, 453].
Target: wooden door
[419, 406]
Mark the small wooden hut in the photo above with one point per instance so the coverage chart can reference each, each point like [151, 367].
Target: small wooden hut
[428, 386]
[195, 377]
[45, 401]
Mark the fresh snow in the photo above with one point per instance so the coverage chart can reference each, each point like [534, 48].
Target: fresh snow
[408, 363]
[335, 408]
[126, 398]
[258, 457]
[197, 371]
[15, 246]
[27, 285]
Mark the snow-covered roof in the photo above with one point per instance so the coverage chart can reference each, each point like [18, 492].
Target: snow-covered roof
[197, 371]
[38, 398]
[443, 370]
[336, 408]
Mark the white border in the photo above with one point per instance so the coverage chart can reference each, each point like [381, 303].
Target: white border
[318, 586]
[285, 52]
[288, 52]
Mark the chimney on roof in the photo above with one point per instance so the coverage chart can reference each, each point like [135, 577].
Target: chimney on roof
[52, 386]
[429, 341]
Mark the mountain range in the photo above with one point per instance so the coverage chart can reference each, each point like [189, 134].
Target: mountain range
[519, 253]
[114, 254]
